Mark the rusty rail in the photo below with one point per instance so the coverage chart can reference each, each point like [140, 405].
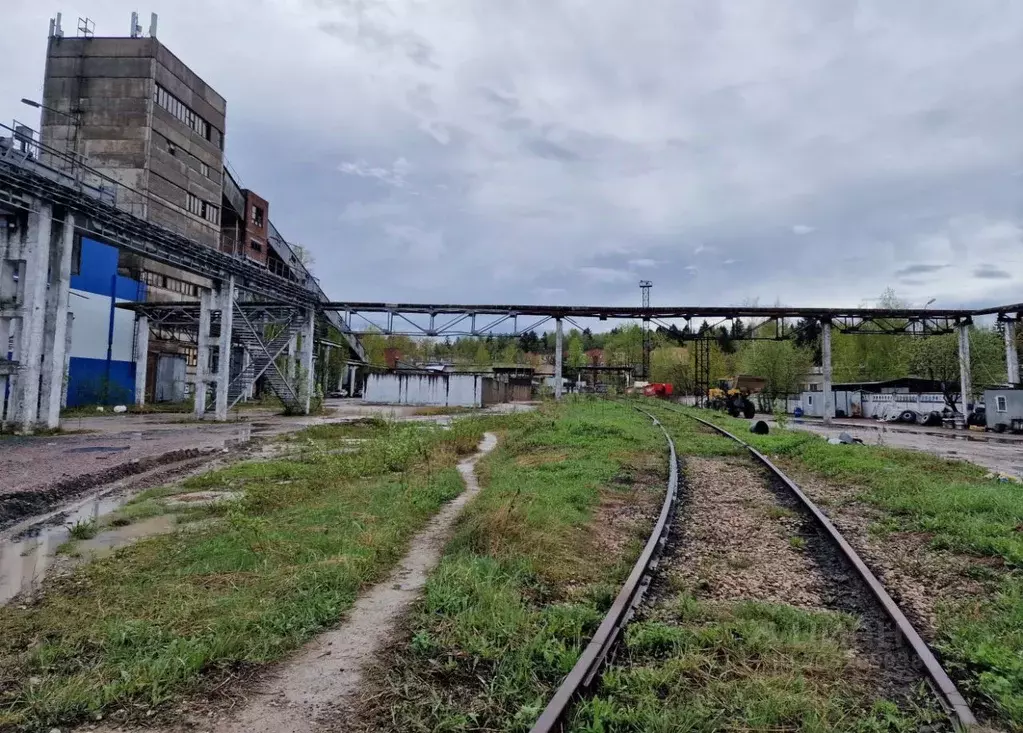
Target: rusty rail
[948, 695]
[592, 659]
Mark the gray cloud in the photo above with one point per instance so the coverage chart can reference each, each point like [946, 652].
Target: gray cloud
[546, 150]
[918, 269]
[990, 272]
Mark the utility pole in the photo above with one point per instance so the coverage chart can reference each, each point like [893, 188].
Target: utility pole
[644, 286]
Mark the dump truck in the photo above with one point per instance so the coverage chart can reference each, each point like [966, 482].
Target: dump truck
[732, 395]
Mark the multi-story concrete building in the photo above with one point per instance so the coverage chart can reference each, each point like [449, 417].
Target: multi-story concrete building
[137, 114]
[129, 109]
[143, 118]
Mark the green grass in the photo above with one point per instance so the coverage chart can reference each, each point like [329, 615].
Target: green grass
[701, 666]
[84, 529]
[172, 612]
[526, 578]
[949, 502]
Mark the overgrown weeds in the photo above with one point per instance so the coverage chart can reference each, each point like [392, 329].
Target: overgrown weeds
[961, 511]
[133, 631]
[702, 666]
[524, 582]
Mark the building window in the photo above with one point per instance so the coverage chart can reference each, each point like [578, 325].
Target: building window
[192, 357]
[809, 400]
[153, 279]
[1001, 404]
[204, 169]
[256, 245]
[210, 212]
[257, 215]
[178, 108]
[205, 209]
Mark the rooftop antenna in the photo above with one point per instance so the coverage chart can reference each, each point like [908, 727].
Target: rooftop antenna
[86, 28]
[152, 24]
[55, 30]
[136, 29]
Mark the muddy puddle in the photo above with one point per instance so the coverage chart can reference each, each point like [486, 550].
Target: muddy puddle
[26, 556]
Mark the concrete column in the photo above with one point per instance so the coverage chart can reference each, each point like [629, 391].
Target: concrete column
[249, 383]
[829, 395]
[965, 378]
[1011, 356]
[342, 376]
[353, 379]
[291, 364]
[558, 349]
[202, 366]
[67, 357]
[8, 289]
[308, 377]
[325, 369]
[56, 319]
[32, 304]
[141, 357]
[225, 304]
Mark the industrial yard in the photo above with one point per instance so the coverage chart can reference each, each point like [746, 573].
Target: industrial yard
[432, 464]
[303, 583]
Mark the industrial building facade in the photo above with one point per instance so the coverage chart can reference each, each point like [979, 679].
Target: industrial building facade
[134, 112]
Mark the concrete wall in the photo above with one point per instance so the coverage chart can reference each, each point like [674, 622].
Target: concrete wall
[859, 404]
[443, 390]
[111, 83]
[107, 81]
[1013, 407]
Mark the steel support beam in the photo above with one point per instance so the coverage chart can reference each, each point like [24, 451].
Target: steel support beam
[829, 395]
[558, 349]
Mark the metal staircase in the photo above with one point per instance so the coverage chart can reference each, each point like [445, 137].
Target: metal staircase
[265, 353]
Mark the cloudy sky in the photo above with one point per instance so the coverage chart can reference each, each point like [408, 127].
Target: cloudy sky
[557, 151]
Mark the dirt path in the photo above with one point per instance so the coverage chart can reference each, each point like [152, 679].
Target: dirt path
[315, 690]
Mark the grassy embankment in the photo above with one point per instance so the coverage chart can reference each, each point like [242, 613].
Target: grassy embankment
[696, 664]
[569, 497]
[238, 584]
[957, 510]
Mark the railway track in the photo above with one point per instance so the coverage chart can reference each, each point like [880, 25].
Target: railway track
[826, 566]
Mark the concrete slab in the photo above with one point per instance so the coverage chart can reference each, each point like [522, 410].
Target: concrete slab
[996, 453]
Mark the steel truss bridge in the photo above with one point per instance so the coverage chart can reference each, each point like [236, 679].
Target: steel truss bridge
[445, 319]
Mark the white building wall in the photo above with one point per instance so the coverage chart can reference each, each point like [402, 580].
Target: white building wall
[440, 390]
[857, 404]
[92, 324]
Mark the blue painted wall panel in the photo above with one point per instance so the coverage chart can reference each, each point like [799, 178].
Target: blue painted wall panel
[93, 378]
[98, 273]
[89, 382]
